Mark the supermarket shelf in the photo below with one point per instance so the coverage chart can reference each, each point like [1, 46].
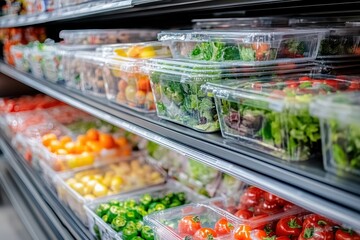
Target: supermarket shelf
[64, 224]
[305, 184]
[22, 205]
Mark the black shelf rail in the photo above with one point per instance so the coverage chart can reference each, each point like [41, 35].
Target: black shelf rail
[305, 184]
[64, 223]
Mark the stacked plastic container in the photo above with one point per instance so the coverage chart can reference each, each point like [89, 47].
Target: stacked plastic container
[339, 50]
[220, 56]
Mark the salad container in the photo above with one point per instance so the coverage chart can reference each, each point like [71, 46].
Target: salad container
[176, 85]
[19, 53]
[77, 188]
[239, 23]
[125, 81]
[340, 131]
[51, 66]
[244, 45]
[170, 224]
[106, 36]
[91, 73]
[35, 59]
[103, 230]
[272, 115]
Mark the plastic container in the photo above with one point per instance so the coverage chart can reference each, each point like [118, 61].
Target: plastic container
[177, 89]
[91, 73]
[71, 64]
[51, 66]
[245, 45]
[106, 36]
[273, 116]
[124, 180]
[103, 230]
[18, 53]
[165, 223]
[239, 23]
[339, 119]
[35, 59]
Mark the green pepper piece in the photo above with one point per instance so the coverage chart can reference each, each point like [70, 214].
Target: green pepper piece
[141, 210]
[170, 195]
[130, 204]
[114, 203]
[182, 197]
[113, 212]
[137, 238]
[139, 225]
[152, 205]
[131, 215]
[146, 199]
[129, 233]
[159, 207]
[166, 201]
[147, 233]
[175, 203]
[118, 223]
[105, 218]
[102, 209]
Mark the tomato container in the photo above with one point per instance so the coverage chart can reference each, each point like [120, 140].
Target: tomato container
[272, 115]
[77, 188]
[176, 85]
[239, 23]
[102, 230]
[244, 45]
[167, 224]
[340, 131]
[126, 83]
[106, 36]
[91, 73]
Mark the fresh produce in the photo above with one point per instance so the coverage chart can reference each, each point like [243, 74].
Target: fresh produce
[126, 216]
[126, 83]
[277, 119]
[112, 179]
[69, 154]
[340, 41]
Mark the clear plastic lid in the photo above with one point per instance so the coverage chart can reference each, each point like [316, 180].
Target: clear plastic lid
[142, 50]
[244, 36]
[293, 91]
[237, 23]
[90, 56]
[107, 36]
[321, 21]
[344, 107]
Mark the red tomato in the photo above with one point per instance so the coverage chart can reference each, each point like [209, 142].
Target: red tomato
[251, 197]
[317, 221]
[269, 208]
[189, 225]
[283, 238]
[205, 234]
[271, 198]
[343, 234]
[304, 78]
[223, 227]
[243, 232]
[244, 214]
[355, 85]
[258, 234]
[333, 83]
[289, 226]
[288, 206]
[313, 233]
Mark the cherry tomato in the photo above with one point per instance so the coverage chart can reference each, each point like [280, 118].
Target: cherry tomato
[189, 225]
[343, 234]
[205, 234]
[332, 82]
[269, 208]
[251, 196]
[258, 234]
[289, 226]
[317, 221]
[223, 227]
[271, 198]
[244, 214]
[243, 232]
[314, 233]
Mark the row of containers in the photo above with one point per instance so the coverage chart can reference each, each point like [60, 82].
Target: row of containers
[120, 190]
[272, 89]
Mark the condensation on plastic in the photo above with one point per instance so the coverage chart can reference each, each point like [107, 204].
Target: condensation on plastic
[106, 232]
[339, 118]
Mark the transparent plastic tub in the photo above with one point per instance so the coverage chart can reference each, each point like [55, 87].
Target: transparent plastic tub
[239, 23]
[245, 45]
[18, 53]
[91, 73]
[165, 223]
[176, 85]
[102, 230]
[339, 119]
[106, 36]
[77, 188]
[272, 115]
[35, 59]
[71, 64]
[51, 66]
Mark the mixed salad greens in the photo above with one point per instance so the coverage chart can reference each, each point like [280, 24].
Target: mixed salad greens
[345, 145]
[285, 128]
[339, 45]
[127, 216]
[257, 51]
